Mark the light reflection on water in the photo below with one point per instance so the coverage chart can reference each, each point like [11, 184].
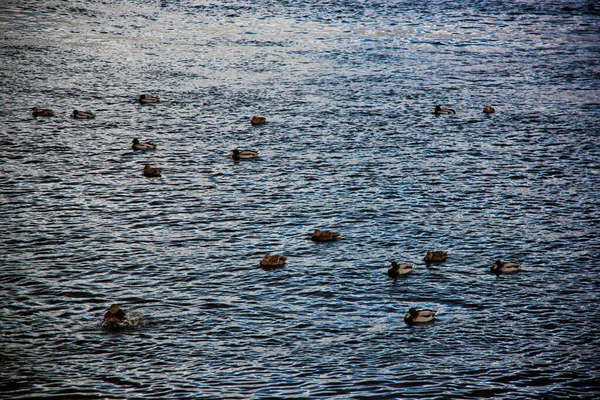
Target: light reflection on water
[351, 145]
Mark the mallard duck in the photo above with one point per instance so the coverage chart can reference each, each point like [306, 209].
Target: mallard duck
[137, 145]
[145, 99]
[82, 115]
[324, 236]
[395, 270]
[243, 154]
[257, 120]
[439, 110]
[500, 267]
[117, 318]
[273, 261]
[415, 316]
[150, 172]
[436, 257]
[37, 112]
[489, 110]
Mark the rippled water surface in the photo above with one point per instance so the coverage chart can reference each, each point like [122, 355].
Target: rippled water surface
[351, 145]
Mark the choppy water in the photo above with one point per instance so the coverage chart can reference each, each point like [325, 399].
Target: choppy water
[351, 145]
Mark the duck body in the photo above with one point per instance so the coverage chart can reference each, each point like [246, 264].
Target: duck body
[500, 267]
[489, 110]
[42, 112]
[273, 261]
[237, 154]
[415, 316]
[137, 145]
[143, 99]
[436, 257]
[395, 270]
[439, 110]
[257, 120]
[150, 172]
[82, 115]
[324, 236]
[117, 318]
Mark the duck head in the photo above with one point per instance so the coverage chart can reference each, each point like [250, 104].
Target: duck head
[113, 309]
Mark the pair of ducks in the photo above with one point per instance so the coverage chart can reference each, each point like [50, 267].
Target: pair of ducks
[148, 171]
[117, 318]
[278, 261]
[396, 270]
[237, 154]
[45, 112]
[439, 110]
[432, 257]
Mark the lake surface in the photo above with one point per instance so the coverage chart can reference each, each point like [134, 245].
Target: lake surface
[351, 144]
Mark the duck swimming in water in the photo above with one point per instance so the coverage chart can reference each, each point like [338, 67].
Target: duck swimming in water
[147, 99]
[257, 120]
[117, 318]
[324, 236]
[137, 145]
[433, 257]
[489, 110]
[273, 261]
[43, 112]
[82, 115]
[415, 316]
[237, 154]
[500, 267]
[440, 110]
[395, 270]
[150, 172]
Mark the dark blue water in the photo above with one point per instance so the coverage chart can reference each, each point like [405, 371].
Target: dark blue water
[351, 145]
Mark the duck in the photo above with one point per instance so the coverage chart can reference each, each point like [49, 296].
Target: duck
[440, 110]
[237, 154]
[82, 115]
[273, 261]
[395, 270]
[117, 318]
[415, 316]
[489, 110]
[257, 120]
[500, 267]
[142, 98]
[324, 236]
[150, 172]
[436, 257]
[43, 112]
[137, 145]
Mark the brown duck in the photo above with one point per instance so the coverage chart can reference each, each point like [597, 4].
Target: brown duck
[324, 236]
[257, 120]
[273, 261]
[150, 172]
[436, 257]
[116, 318]
[44, 112]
